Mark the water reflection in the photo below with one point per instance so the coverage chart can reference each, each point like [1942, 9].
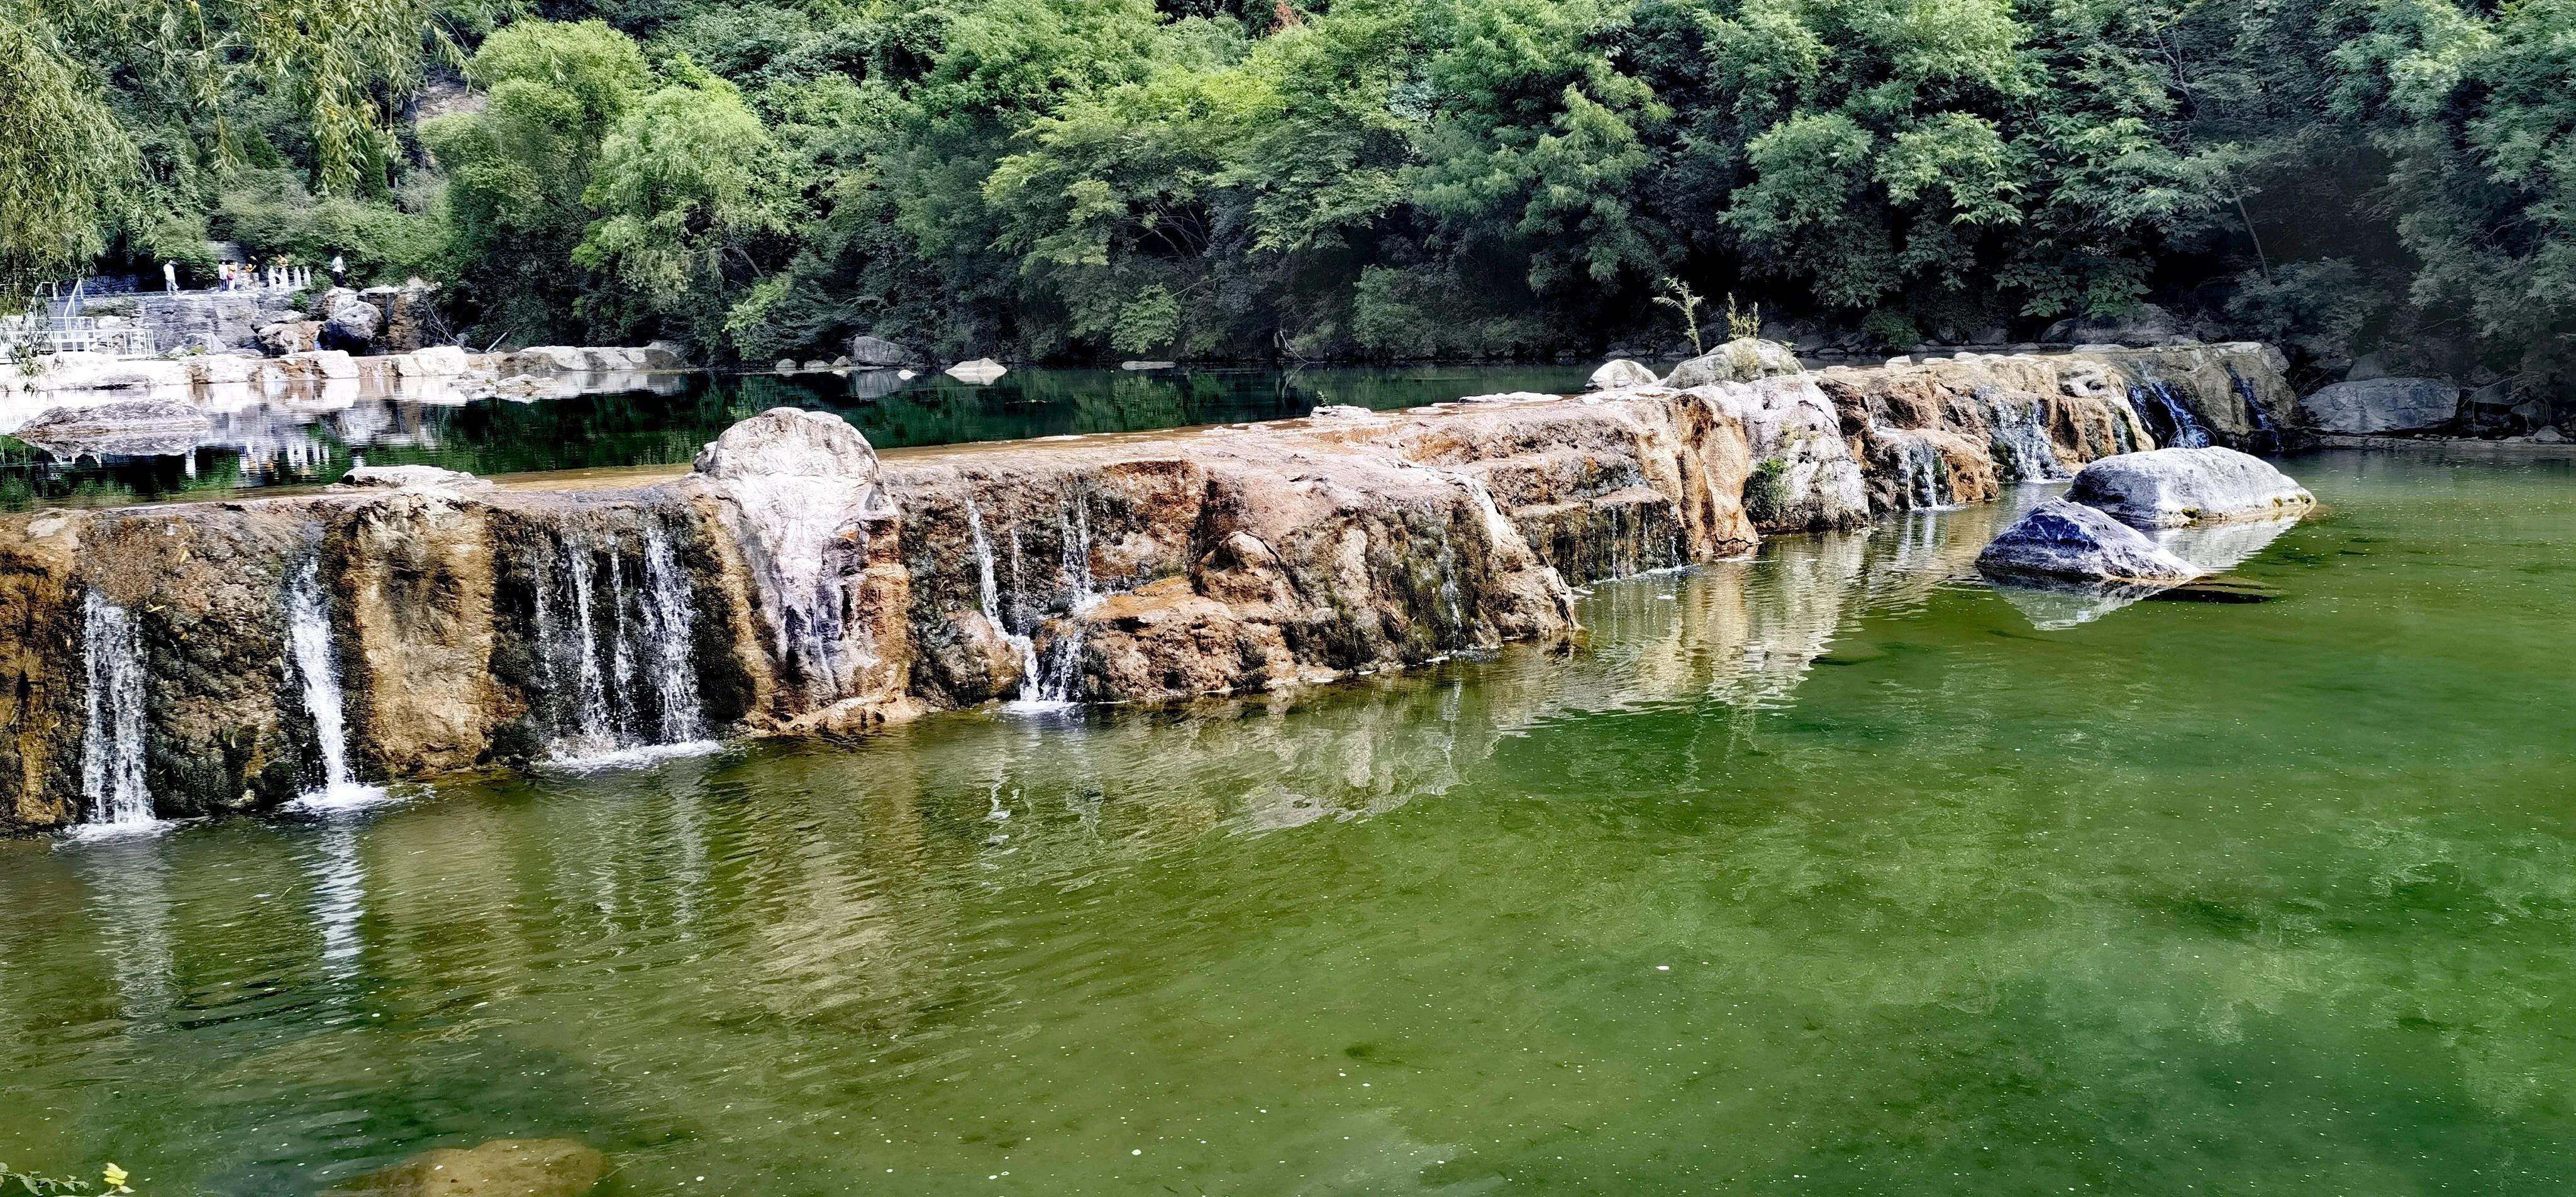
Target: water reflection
[2214, 547]
[312, 432]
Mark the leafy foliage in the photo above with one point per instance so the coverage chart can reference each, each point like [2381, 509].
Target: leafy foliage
[1097, 178]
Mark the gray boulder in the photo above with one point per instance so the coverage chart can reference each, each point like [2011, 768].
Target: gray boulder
[1620, 374]
[2364, 406]
[866, 350]
[349, 322]
[283, 337]
[1742, 360]
[2167, 488]
[2145, 324]
[124, 428]
[2059, 541]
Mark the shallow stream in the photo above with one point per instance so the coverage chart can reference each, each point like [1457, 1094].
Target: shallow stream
[1821, 872]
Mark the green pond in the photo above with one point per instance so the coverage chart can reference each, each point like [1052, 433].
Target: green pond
[1824, 872]
[307, 438]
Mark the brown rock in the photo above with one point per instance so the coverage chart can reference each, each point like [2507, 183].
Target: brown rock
[500, 1168]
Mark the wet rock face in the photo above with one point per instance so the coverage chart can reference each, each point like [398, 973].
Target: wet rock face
[2168, 488]
[2060, 541]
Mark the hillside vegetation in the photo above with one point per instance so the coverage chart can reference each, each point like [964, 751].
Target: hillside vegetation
[1094, 179]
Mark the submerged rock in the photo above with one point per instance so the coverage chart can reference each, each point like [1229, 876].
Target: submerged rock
[2168, 488]
[500, 1168]
[2069, 542]
[1621, 374]
[2371, 405]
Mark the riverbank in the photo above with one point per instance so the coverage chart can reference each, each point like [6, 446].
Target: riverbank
[793, 583]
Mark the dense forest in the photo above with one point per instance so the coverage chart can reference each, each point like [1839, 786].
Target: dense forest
[1094, 179]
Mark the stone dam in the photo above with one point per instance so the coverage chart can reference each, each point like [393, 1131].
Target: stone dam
[192, 659]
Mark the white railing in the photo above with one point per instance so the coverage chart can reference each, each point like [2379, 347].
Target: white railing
[78, 334]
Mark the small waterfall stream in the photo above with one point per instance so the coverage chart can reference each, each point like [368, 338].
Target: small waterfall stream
[1922, 474]
[1058, 678]
[2181, 429]
[315, 662]
[2267, 436]
[112, 736]
[2023, 452]
[991, 594]
[615, 662]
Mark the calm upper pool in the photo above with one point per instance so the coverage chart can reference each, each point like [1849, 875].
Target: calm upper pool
[1823, 872]
[307, 439]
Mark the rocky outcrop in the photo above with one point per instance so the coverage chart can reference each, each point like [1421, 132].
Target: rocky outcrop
[2372, 405]
[500, 1168]
[349, 323]
[2168, 488]
[794, 582]
[2145, 324]
[1741, 360]
[871, 351]
[2059, 541]
[127, 426]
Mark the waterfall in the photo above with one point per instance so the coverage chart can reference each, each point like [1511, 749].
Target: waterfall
[671, 627]
[112, 738]
[2182, 429]
[2267, 437]
[1055, 684]
[991, 593]
[2023, 452]
[616, 663]
[315, 663]
[1922, 474]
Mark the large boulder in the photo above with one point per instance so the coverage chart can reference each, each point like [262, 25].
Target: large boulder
[127, 427]
[665, 355]
[1620, 374]
[2370, 405]
[318, 365]
[350, 322]
[2145, 324]
[283, 337]
[866, 350]
[2059, 541]
[1742, 360]
[2168, 488]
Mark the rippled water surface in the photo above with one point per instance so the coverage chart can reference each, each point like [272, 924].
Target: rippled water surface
[1821, 872]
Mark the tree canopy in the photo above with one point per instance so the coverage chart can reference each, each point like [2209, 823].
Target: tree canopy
[1084, 179]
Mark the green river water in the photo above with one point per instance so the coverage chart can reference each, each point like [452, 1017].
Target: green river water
[1825, 872]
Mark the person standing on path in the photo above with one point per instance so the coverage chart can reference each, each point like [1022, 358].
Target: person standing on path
[339, 271]
[170, 277]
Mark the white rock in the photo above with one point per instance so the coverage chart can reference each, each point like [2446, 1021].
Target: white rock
[1620, 374]
[2062, 541]
[440, 361]
[2168, 488]
[979, 371]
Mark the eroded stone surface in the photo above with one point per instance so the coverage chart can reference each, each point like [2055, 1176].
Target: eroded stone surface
[500, 1168]
[2168, 488]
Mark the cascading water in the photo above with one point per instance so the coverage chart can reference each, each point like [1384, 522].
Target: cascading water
[2181, 429]
[316, 666]
[671, 627]
[112, 738]
[2023, 452]
[1922, 474]
[991, 593]
[2267, 436]
[615, 662]
[1055, 684]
